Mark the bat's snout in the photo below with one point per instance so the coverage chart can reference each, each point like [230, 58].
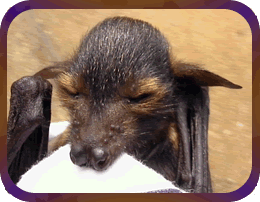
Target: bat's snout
[98, 157]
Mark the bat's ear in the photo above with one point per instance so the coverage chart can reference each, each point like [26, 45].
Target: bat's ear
[50, 72]
[194, 74]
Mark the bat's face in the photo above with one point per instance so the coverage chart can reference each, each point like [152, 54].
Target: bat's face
[113, 112]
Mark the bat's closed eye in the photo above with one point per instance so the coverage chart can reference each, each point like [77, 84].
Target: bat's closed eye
[139, 98]
[73, 94]
[76, 95]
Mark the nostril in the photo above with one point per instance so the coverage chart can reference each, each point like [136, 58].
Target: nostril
[100, 158]
[101, 165]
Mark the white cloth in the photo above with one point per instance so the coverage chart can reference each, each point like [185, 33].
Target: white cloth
[57, 174]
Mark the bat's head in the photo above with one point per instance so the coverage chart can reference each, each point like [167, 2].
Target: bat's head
[120, 91]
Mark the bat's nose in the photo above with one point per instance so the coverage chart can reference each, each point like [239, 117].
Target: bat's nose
[100, 158]
[78, 156]
[97, 157]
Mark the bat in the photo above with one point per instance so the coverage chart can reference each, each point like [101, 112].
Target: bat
[124, 92]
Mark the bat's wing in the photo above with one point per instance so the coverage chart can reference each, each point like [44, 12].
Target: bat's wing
[192, 116]
[28, 124]
[192, 120]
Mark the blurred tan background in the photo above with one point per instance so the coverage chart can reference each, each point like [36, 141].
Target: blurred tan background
[220, 40]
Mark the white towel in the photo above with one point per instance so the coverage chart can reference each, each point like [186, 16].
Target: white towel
[57, 174]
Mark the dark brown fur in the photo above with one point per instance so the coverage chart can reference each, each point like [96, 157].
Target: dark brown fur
[126, 93]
